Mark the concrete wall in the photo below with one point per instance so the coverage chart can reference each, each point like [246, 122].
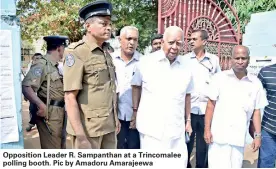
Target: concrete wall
[8, 9]
[260, 38]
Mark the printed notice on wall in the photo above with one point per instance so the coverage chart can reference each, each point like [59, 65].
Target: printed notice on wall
[8, 117]
[257, 63]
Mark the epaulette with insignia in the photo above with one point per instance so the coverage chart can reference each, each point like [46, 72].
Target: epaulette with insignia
[74, 45]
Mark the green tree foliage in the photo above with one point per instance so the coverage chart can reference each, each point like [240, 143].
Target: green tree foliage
[41, 18]
[245, 8]
[46, 17]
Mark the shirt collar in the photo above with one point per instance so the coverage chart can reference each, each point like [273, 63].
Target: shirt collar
[207, 55]
[47, 57]
[90, 43]
[136, 55]
[230, 72]
[161, 56]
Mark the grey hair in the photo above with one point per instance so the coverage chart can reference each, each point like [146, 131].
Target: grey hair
[173, 29]
[234, 48]
[89, 20]
[126, 28]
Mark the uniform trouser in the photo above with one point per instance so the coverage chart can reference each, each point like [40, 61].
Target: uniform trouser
[225, 156]
[267, 152]
[56, 125]
[64, 133]
[197, 122]
[107, 141]
[128, 138]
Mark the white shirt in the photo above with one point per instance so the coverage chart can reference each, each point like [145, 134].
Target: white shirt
[202, 71]
[235, 102]
[124, 73]
[60, 68]
[164, 87]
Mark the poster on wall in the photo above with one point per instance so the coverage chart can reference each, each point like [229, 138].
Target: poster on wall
[258, 62]
[254, 67]
[8, 117]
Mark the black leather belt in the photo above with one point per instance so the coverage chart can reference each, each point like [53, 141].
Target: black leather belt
[57, 103]
[54, 102]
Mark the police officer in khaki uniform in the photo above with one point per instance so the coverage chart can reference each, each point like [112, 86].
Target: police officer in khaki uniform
[89, 82]
[45, 80]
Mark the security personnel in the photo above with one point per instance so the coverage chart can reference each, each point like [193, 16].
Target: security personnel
[89, 82]
[45, 80]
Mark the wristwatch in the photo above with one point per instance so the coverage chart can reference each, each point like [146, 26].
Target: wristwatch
[257, 135]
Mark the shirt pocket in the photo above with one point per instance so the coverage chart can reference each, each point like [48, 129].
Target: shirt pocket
[249, 103]
[56, 80]
[152, 83]
[97, 113]
[97, 74]
[178, 88]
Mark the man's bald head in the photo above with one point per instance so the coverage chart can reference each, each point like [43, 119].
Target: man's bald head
[240, 58]
[240, 48]
[172, 30]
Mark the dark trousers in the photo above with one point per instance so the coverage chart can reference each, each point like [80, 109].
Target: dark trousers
[64, 133]
[32, 110]
[128, 138]
[267, 152]
[201, 146]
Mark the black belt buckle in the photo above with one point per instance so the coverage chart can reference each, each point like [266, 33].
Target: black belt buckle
[54, 102]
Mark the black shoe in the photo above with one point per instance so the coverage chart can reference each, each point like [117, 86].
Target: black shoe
[29, 128]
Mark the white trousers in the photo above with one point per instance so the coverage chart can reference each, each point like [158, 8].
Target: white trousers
[151, 143]
[225, 156]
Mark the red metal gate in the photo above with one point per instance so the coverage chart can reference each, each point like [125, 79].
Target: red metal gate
[203, 14]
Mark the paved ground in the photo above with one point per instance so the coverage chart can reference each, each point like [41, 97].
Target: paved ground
[31, 140]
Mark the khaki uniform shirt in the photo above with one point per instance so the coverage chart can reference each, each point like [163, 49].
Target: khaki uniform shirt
[89, 69]
[36, 78]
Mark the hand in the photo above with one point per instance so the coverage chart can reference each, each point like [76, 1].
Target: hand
[188, 128]
[132, 124]
[41, 110]
[118, 126]
[256, 144]
[82, 143]
[208, 136]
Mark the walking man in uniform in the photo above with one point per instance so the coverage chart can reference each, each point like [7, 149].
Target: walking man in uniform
[203, 66]
[125, 61]
[45, 80]
[89, 83]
